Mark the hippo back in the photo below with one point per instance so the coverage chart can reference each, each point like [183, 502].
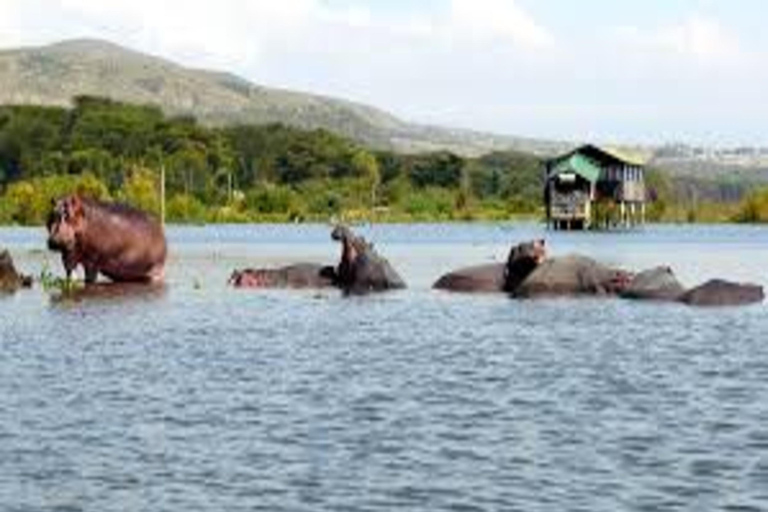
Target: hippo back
[299, 275]
[569, 276]
[481, 278]
[657, 283]
[128, 243]
[718, 292]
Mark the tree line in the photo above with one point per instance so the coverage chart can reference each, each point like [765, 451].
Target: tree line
[116, 151]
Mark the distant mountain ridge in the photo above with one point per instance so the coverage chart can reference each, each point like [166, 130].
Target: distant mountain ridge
[54, 74]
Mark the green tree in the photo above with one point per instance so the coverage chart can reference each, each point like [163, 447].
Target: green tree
[141, 189]
[366, 165]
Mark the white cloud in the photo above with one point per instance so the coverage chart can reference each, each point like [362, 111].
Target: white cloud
[226, 33]
[8, 24]
[703, 39]
[698, 39]
[441, 64]
[237, 33]
[499, 19]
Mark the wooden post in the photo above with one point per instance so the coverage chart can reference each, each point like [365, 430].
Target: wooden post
[229, 187]
[623, 214]
[162, 194]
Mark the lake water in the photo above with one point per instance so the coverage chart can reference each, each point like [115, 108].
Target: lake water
[207, 398]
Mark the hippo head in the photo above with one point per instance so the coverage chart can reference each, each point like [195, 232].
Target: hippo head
[352, 246]
[523, 259]
[65, 222]
[535, 251]
[361, 269]
[342, 234]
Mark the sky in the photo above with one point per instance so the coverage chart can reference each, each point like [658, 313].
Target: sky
[629, 71]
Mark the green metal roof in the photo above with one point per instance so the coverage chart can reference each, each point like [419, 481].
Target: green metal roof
[624, 155]
[578, 164]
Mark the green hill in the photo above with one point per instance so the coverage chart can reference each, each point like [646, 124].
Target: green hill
[53, 75]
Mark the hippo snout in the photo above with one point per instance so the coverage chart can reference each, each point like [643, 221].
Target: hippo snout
[235, 278]
[53, 245]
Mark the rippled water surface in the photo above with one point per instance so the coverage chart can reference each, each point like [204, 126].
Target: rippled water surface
[206, 398]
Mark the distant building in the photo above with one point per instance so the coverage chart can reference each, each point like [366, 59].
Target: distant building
[594, 188]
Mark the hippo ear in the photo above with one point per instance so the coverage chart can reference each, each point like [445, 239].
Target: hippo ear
[75, 207]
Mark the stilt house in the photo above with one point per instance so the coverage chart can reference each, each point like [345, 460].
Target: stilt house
[593, 188]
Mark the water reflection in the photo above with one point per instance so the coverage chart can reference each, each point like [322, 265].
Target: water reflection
[108, 292]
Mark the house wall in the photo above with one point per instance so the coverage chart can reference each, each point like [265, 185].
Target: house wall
[629, 180]
[569, 205]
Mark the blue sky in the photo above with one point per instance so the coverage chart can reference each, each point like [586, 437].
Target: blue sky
[647, 71]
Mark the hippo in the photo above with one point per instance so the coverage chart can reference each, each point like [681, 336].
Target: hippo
[572, 275]
[659, 283]
[488, 278]
[300, 275]
[118, 241]
[496, 277]
[10, 279]
[360, 270]
[529, 274]
[718, 292]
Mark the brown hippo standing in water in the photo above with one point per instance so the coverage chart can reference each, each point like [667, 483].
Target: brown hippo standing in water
[360, 270]
[120, 242]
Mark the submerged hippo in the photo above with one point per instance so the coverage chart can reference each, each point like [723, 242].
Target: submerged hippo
[579, 275]
[118, 241]
[360, 270]
[529, 274]
[660, 283]
[496, 277]
[300, 275]
[718, 292]
[572, 275]
[10, 279]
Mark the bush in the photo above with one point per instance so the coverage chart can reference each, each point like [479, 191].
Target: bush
[28, 202]
[185, 209]
[431, 202]
[754, 207]
[267, 198]
[141, 190]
